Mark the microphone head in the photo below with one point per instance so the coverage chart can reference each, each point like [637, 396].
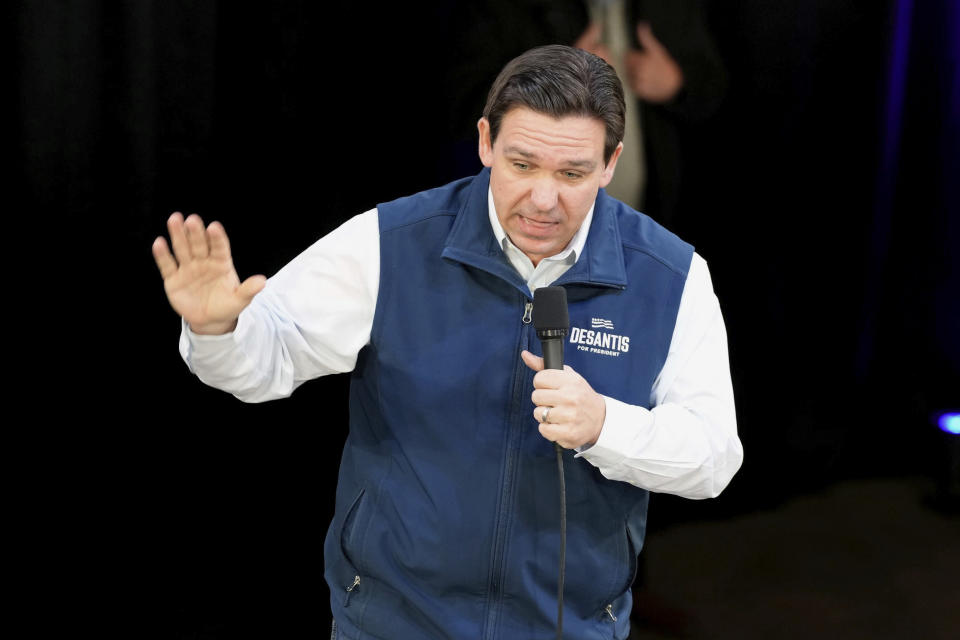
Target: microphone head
[550, 310]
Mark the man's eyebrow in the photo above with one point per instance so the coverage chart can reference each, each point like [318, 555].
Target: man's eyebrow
[586, 165]
[520, 152]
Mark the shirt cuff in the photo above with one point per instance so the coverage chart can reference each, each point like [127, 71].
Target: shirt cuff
[623, 426]
[197, 347]
[203, 337]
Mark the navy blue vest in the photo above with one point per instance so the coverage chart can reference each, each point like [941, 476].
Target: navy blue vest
[447, 516]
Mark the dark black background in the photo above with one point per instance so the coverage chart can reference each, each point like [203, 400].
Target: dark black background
[836, 265]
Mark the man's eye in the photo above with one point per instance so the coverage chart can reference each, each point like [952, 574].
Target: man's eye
[572, 175]
[522, 166]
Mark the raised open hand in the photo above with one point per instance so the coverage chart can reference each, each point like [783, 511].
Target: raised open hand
[199, 278]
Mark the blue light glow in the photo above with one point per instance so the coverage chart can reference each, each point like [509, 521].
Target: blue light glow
[950, 422]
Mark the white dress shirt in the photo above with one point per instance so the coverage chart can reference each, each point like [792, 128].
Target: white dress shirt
[315, 315]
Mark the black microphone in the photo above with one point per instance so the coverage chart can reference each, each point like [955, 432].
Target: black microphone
[552, 321]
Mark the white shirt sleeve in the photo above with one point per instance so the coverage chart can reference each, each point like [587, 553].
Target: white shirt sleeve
[312, 319]
[687, 444]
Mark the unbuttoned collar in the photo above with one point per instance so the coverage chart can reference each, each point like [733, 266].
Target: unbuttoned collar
[520, 260]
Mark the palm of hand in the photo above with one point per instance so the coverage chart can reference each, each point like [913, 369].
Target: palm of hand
[199, 277]
[204, 291]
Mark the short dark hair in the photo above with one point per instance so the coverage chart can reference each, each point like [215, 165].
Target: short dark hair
[559, 81]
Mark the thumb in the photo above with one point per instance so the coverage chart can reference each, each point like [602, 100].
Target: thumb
[647, 40]
[251, 287]
[532, 361]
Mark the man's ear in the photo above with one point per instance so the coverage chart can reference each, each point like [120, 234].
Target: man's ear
[607, 174]
[485, 147]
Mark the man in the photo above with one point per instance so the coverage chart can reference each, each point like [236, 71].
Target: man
[447, 521]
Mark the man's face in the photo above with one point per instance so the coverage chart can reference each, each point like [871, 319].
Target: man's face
[544, 173]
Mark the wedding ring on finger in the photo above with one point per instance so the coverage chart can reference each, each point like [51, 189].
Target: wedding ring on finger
[544, 416]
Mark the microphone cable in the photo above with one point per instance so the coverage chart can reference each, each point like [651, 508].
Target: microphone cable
[563, 539]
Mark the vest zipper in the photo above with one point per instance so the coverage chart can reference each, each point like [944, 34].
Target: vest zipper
[517, 412]
[609, 610]
[356, 583]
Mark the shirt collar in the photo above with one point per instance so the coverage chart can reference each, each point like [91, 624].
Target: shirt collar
[472, 242]
[571, 253]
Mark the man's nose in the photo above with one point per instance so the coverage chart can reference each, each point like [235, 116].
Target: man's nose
[544, 194]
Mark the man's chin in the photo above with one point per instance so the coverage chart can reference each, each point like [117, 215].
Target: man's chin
[538, 249]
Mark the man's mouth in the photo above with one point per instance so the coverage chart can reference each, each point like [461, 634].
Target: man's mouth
[539, 225]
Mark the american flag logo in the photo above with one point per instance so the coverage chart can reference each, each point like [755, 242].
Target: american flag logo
[600, 323]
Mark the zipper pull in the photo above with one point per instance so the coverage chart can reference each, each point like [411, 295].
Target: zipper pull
[528, 313]
[608, 609]
[356, 583]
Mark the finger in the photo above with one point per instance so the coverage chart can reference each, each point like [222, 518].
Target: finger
[547, 397]
[197, 237]
[549, 379]
[219, 243]
[251, 287]
[532, 361]
[165, 261]
[556, 415]
[548, 431]
[647, 40]
[538, 413]
[554, 433]
[178, 238]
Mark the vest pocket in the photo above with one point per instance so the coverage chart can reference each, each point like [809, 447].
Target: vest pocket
[631, 558]
[349, 535]
[611, 612]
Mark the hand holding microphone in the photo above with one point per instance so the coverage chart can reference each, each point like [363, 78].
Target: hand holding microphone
[574, 411]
